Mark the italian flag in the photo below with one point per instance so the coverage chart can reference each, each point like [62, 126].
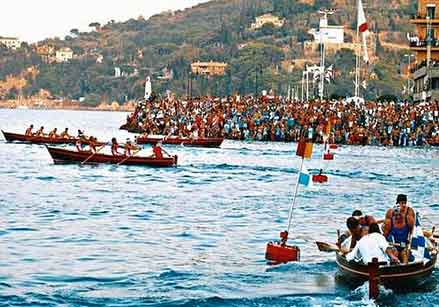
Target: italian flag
[362, 28]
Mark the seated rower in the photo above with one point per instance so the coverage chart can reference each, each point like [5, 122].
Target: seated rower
[92, 142]
[373, 245]
[40, 132]
[114, 147]
[52, 134]
[65, 134]
[398, 226]
[29, 131]
[157, 151]
[364, 220]
[129, 147]
[355, 232]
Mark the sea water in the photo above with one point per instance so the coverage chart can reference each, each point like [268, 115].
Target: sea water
[193, 235]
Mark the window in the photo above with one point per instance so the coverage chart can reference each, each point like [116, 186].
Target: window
[431, 8]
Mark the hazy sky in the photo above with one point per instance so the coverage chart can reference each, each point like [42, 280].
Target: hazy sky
[34, 20]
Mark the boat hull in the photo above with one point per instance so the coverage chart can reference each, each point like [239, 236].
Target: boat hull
[198, 142]
[15, 137]
[63, 156]
[398, 277]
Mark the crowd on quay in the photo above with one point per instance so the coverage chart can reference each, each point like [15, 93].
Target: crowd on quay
[269, 118]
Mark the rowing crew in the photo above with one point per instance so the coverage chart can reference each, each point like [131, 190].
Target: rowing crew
[52, 134]
[364, 240]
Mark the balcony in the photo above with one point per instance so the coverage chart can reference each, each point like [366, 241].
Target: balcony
[421, 45]
[423, 20]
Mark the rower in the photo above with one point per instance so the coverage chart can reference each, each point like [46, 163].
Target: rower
[129, 147]
[92, 142]
[114, 147]
[29, 131]
[82, 141]
[157, 151]
[398, 226]
[39, 132]
[65, 134]
[52, 134]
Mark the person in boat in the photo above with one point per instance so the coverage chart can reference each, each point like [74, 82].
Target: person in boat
[129, 147]
[40, 132]
[373, 245]
[364, 220]
[398, 226]
[52, 134]
[114, 147]
[92, 143]
[157, 151]
[65, 134]
[29, 131]
[82, 141]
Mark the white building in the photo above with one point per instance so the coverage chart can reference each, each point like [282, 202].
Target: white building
[10, 42]
[64, 55]
[329, 34]
[266, 19]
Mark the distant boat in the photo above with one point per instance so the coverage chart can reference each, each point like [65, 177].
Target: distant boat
[185, 141]
[23, 107]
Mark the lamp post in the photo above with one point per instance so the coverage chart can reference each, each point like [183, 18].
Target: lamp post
[409, 56]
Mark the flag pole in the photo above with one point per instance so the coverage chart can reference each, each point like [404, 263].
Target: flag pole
[357, 56]
[290, 214]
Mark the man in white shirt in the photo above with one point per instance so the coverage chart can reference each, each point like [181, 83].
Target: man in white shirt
[372, 245]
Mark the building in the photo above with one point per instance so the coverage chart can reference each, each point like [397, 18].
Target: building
[209, 68]
[266, 19]
[64, 55]
[424, 44]
[328, 34]
[47, 53]
[10, 42]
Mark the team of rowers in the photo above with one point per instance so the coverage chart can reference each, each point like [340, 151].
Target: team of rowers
[365, 240]
[52, 134]
[129, 149]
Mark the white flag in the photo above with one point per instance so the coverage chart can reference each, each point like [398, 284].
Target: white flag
[363, 29]
[148, 88]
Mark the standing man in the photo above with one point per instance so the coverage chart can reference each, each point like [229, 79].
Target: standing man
[398, 226]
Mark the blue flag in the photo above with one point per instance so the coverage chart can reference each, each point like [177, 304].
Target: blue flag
[304, 178]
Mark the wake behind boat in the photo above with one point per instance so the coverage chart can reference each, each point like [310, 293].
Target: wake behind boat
[175, 140]
[64, 156]
[15, 137]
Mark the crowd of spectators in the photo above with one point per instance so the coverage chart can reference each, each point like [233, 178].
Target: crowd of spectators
[278, 119]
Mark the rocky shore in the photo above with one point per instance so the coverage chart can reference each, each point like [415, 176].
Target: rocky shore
[50, 104]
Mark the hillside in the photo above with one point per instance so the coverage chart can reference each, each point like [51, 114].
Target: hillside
[166, 44]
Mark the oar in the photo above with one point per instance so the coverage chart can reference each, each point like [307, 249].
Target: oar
[124, 160]
[327, 247]
[93, 154]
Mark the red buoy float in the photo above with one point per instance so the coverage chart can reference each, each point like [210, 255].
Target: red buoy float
[320, 178]
[280, 252]
[333, 146]
[328, 156]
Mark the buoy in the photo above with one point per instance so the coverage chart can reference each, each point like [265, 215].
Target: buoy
[328, 156]
[320, 178]
[333, 146]
[280, 252]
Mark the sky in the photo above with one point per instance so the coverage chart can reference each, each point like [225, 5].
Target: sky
[35, 20]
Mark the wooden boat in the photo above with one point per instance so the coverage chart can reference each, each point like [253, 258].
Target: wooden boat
[175, 140]
[15, 137]
[397, 277]
[63, 156]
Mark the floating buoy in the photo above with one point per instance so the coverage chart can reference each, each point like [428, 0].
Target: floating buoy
[333, 146]
[320, 178]
[280, 252]
[328, 156]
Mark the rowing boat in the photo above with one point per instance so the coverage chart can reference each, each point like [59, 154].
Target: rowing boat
[175, 140]
[63, 156]
[397, 277]
[15, 137]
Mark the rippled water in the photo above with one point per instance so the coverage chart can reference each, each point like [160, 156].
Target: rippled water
[193, 235]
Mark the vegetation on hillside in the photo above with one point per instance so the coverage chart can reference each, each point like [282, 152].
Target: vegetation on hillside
[218, 31]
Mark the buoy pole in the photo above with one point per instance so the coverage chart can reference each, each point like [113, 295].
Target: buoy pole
[374, 281]
[290, 215]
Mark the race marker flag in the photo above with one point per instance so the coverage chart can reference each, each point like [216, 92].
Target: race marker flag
[305, 178]
[304, 150]
[419, 243]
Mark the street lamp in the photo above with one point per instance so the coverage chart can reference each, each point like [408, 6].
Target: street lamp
[409, 56]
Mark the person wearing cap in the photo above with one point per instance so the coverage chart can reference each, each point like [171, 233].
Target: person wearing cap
[398, 226]
[129, 147]
[29, 131]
